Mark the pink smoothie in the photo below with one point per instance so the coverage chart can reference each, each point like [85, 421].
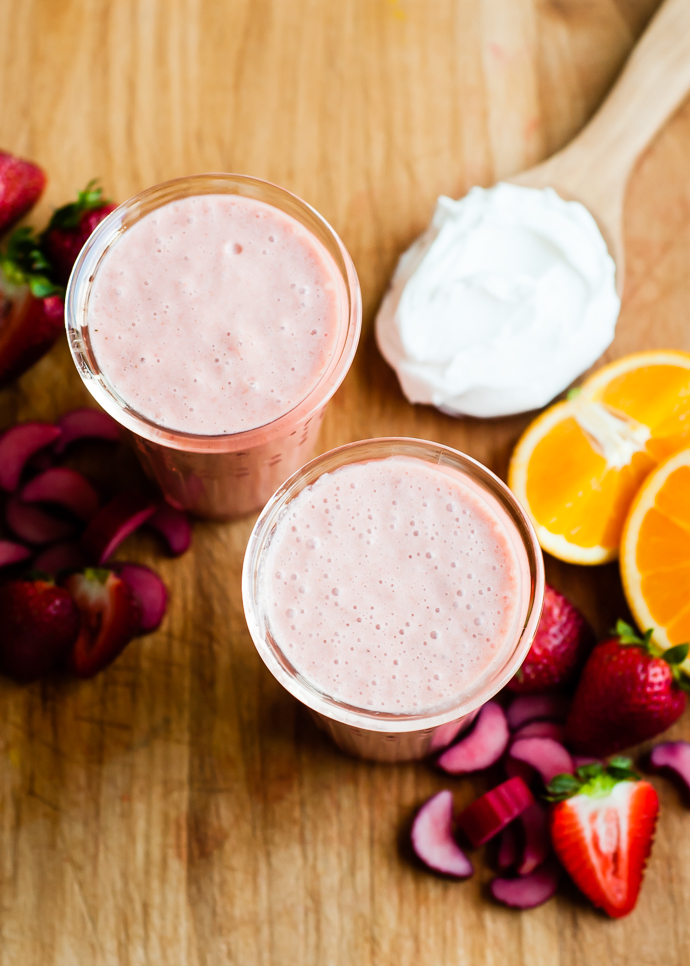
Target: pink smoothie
[215, 314]
[395, 585]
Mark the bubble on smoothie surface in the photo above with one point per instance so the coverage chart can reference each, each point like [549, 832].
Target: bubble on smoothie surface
[372, 620]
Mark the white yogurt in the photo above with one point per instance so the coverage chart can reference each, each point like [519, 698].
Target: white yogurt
[506, 298]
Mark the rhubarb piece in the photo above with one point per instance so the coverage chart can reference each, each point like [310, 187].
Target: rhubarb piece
[673, 756]
[86, 424]
[33, 525]
[508, 848]
[66, 488]
[174, 526]
[529, 891]
[482, 747]
[123, 515]
[17, 445]
[534, 707]
[148, 590]
[21, 185]
[110, 619]
[541, 729]
[537, 841]
[547, 756]
[490, 813]
[59, 558]
[12, 553]
[432, 838]
[581, 761]
[40, 622]
[560, 647]
[519, 769]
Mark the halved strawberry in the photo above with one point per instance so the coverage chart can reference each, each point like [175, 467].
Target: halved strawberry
[38, 624]
[70, 227]
[21, 185]
[110, 618]
[602, 828]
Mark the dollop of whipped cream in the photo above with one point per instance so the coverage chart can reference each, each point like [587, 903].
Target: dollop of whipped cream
[506, 298]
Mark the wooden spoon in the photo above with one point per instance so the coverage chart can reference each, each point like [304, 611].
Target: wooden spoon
[595, 166]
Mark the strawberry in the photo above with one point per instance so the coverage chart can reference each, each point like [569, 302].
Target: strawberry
[110, 618]
[560, 647]
[70, 227]
[40, 622]
[630, 690]
[602, 827]
[21, 185]
[31, 306]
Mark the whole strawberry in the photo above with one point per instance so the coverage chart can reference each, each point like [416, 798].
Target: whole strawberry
[630, 690]
[21, 185]
[39, 623]
[560, 647]
[70, 227]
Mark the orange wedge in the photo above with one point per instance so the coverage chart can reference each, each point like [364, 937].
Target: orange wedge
[655, 552]
[578, 466]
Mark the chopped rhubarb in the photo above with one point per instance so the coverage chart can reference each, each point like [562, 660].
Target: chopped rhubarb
[60, 558]
[490, 813]
[508, 848]
[432, 838]
[174, 527]
[548, 757]
[18, 445]
[537, 841]
[148, 590]
[673, 756]
[482, 747]
[541, 729]
[528, 891]
[86, 424]
[33, 525]
[66, 488]
[533, 707]
[12, 553]
[122, 516]
[581, 761]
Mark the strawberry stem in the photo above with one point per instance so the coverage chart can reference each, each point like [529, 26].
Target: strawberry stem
[596, 780]
[69, 216]
[24, 263]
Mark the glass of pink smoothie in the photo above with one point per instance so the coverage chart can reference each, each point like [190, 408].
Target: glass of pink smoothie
[393, 586]
[214, 317]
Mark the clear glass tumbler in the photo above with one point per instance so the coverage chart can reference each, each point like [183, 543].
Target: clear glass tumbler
[365, 733]
[215, 476]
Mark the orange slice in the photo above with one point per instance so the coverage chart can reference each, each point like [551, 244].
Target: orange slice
[655, 552]
[578, 466]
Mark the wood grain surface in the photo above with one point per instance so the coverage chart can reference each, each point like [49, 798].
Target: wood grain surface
[181, 808]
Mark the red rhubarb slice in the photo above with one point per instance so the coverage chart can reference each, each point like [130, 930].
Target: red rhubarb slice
[533, 707]
[59, 558]
[12, 553]
[488, 815]
[33, 525]
[528, 891]
[18, 445]
[482, 747]
[86, 424]
[673, 756]
[66, 488]
[174, 527]
[537, 840]
[541, 729]
[432, 838]
[123, 515]
[148, 590]
[547, 756]
[508, 848]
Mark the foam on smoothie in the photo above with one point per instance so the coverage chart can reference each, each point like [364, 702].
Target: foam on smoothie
[215, 314]
[394, 585]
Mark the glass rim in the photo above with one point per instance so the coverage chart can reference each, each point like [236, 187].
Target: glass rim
[360, 451]
[110, 229]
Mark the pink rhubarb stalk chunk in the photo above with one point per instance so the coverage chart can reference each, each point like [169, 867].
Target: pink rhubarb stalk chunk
[675, 756]
[432, 838]
[86, 424]
[547, 756]
[533, 707]
[490, 813]
[63, 487]
[123, 515]
[18, 445]
[482, 747]
[528, 891]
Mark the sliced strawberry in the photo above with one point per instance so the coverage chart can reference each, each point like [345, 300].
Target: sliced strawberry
[40, 622]
[70, 227]
[21, 185]
[110, 618]
[602, 828]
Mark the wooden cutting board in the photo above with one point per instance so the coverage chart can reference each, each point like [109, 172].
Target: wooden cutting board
[180, 808]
